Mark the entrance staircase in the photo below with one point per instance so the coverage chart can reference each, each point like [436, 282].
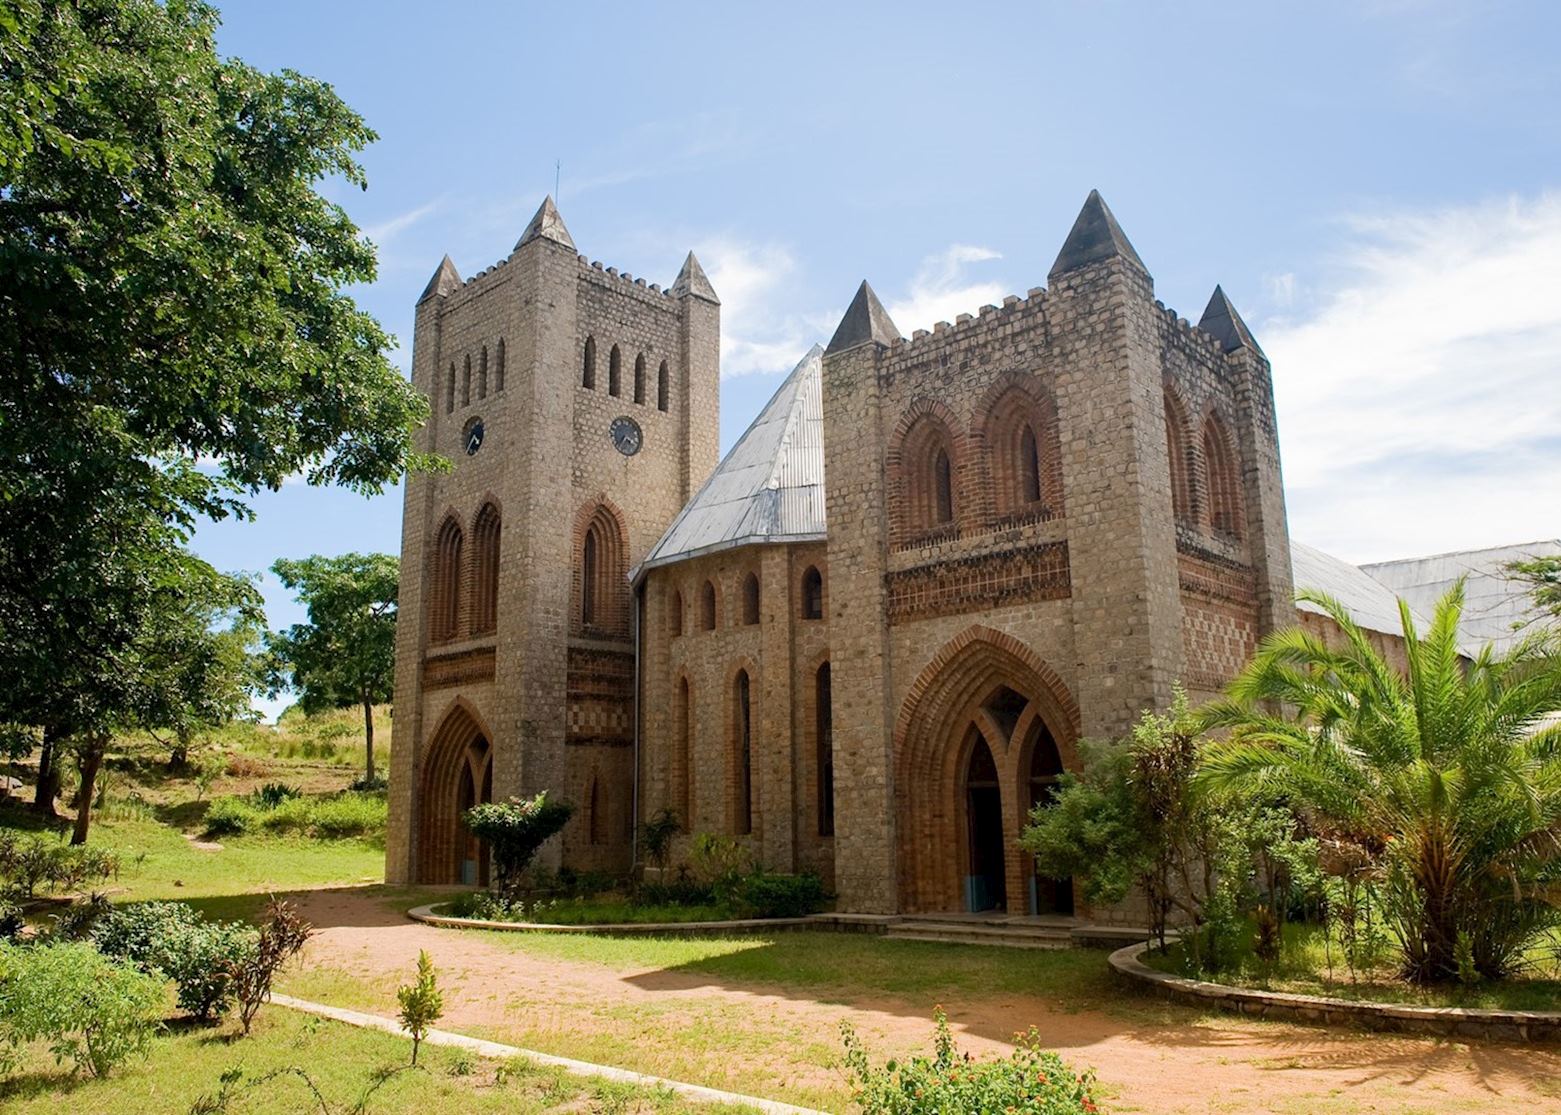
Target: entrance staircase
[1004, 930]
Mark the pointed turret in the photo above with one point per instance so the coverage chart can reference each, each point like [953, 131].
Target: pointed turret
[446, 278]
[1221, 321]
[546, 225]
[865, 320]
[693, 281]
[1095, 238]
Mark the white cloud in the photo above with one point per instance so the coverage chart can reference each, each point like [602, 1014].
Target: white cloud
[383, 233]
[756, 338]
[1417, 401]
[941, 290]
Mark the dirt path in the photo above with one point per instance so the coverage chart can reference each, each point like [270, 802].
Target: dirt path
[727, 1032]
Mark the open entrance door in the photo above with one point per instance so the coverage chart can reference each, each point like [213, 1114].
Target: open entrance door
[985, 888]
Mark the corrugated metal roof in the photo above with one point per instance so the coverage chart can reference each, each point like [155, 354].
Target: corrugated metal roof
[769, 488]
[1496, 608]
[1373, 605]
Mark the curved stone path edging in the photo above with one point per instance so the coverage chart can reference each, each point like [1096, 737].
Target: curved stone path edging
[1503, 1025]
[579, 1068]
[643, 928]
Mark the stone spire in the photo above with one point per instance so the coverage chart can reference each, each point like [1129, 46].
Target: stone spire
[1095, 237]
[865, 320]
[692, 281]
[1221, 321]
[445, 279]
[546, 225]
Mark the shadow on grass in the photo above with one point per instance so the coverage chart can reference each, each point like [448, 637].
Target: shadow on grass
[366, 906]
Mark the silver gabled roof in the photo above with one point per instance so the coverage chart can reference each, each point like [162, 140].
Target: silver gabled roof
[1371, 603]
[769, 488]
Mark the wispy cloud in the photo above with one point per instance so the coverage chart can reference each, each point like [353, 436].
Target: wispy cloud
[942, 289]
[756, 338]
[385, 231]
[1417, 401]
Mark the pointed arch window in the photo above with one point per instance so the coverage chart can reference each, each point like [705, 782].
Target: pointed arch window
[1177, 458]
[615, 373]
[466, 382]
[1029, 466]
[1024, 453]
[449, 393]
[742, 755]
[682, 776]
[663, 387]
[498, 368]
[639, 379]
[482, 374]
[750, 600]
[602, 607]
[588, 365]
[824, 724]
[927, 474]
[444, 595]
[942, 489]
[707, 606]
[485, 586]
[590, 573]
[812, 593]
[1224, 480]
[675, 615]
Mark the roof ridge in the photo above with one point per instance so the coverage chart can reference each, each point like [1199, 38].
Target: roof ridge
[793, 412]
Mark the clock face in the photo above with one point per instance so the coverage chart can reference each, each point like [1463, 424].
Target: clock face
[626, 436]
[471, 436]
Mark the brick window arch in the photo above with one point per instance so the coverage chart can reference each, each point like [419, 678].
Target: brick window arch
[596, 812]
[681, 773]
[812, 593]
[675, 614]
[498, 367]
[485, 580]
[663, 387]
[601, 575]
[1024, 454]
[615, 373]
[742, 755]
[449, 393]
[444, 582]
[927, 467]
[1179, 453]
[707, 610]
[466, 381]
[482, 374]
[639, 379]
[824, 729]
[1224, 479]
[750, 599]
[588, 365]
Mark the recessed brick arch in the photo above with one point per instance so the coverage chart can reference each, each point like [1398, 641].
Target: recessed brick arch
[1223, 505]
[1016, 437]
[457, 772]
[933, 738]
[600, 541]
[1182, 456]
[927, 429]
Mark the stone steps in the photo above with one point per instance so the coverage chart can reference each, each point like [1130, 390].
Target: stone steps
[969, 933]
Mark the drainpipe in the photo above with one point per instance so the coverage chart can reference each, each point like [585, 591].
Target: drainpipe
[634, 812]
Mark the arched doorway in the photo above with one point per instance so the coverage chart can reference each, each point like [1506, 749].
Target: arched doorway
[966, 744]
[1047, 895]
[985, 852]
[457, 774]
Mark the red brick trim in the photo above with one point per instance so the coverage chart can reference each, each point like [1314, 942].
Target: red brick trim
[437, 823]
[925, 426]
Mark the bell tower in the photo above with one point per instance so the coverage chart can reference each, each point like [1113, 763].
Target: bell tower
[579, 408]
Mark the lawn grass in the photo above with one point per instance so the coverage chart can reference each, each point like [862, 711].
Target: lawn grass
[1308, 967]
[342, 1061]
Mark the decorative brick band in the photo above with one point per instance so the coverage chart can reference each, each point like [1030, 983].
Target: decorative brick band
[467, 667]
[1496, 1025]
[973, 584]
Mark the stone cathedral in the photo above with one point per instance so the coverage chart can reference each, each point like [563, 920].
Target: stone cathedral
[867, 642]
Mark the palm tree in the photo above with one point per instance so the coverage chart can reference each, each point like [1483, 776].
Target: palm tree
[1444, 778]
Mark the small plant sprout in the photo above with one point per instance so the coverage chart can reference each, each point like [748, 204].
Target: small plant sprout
[422, 1003]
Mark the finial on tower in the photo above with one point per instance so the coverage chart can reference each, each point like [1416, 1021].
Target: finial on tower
[445, 279]
[1221, 321]
[546, 225]
[865, 320]
[1095, 238]
[693, 281]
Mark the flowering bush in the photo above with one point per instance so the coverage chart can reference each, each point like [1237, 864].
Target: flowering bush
[1029, 1080]
[514, 831]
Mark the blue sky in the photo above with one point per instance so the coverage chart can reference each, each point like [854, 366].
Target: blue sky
[1376, 184]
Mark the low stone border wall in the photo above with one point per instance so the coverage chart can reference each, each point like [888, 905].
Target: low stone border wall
[844, 923]
[1500, 1025]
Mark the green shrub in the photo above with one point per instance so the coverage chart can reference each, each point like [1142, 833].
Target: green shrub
[768, 895]
[11, 921]
[93, 1011]
[349, 815]
[231, 816]
[273, 794]
[28, 864]
[134, 932]
[718, 862]
[514, 831]
[1029, 1080]
[170, 940]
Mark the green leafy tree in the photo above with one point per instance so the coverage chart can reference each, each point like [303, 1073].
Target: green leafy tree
[1444, 781]
[174, 328]
[422, 1003]
[514, 830]
[1542, 577]
[345, 654]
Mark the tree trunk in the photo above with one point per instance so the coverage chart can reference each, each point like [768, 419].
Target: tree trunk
[91, 763]
[48, 774]
[368, 736]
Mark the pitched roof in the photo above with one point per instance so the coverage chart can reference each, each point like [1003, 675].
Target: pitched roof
[1372, 603]
[865, 320]
[769, 488]
[548, 224]
[693, 280]
[1094, 238]
[446, 278]
[1221, 321]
